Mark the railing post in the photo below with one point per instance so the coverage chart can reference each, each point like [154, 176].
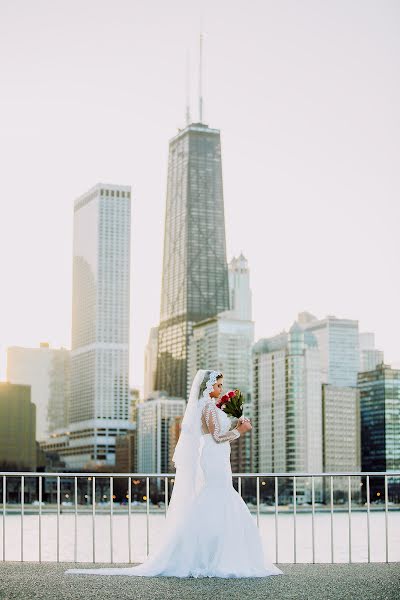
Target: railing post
[368, 523]
[94, 518]
[294, 519]
[147, 515]
[332, 541]
[129, 518]
[386, 520]
[4, 515]
[313, 518]
[166, 494]
[22, 515]
[276, 520]
[76, 520]
[258, 500]
[111, 518]
[40, 518]
[58, 518]
[349, 493]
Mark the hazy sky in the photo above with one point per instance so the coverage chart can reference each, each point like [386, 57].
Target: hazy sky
[307, 97]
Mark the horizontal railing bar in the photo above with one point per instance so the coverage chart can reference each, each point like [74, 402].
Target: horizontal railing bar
[144, 475]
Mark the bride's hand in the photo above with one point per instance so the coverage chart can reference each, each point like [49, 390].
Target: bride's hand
[244, 425]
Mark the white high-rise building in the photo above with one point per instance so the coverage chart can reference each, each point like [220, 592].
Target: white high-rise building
[155, 418]
[240, 295]
[370, 357]
[341, 437]
[287, 417]
[150, 362]
[338, 342]
[33, 366]
[224, 342]
[99, 407]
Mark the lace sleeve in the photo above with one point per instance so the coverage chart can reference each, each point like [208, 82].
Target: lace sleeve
[211, 418]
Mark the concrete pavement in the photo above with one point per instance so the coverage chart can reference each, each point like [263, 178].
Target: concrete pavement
[26, 581]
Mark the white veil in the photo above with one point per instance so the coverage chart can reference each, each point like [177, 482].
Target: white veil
[189, 475]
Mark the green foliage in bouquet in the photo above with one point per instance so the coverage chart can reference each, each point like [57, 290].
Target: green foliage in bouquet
[232, 403]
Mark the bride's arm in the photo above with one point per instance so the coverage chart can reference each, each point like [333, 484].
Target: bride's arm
[211, 418]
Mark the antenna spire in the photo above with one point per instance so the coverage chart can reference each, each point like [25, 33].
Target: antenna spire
[187, 88]
[201, 80]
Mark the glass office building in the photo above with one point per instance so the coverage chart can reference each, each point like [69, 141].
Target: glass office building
[380, 418]
[338, 343]
[195, 272]
[380, 422]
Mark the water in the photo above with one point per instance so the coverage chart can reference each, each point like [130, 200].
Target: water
[138, 536]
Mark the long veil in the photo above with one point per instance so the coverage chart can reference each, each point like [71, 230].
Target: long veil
[188, 478]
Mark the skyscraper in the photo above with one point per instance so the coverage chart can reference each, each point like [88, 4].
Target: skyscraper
[33, 367]
[370, 357]
[195, 272]
[380, 425]
[239, 289]
[287, 414]
[338, 342]
[224, 343]
[99, 407]
[341, 437]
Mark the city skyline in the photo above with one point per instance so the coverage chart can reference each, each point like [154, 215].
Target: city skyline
[313, 205]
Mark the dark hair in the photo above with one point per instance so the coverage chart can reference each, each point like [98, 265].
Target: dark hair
[205, 379]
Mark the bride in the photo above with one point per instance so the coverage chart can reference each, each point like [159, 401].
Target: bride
[209, 531]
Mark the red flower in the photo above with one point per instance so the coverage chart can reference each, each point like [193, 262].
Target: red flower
[223, 400]
[231, 394]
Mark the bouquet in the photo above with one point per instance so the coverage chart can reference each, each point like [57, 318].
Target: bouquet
[232, 403]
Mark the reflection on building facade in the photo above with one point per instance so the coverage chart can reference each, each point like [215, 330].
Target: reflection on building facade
[195, 273]
[380, 424]
[99, 406]
[338, 343]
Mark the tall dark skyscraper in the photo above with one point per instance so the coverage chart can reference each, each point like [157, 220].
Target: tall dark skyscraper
[195, 273]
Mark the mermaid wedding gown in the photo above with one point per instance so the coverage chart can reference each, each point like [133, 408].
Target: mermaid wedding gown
[218, 536]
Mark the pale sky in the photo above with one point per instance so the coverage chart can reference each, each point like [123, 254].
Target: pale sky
[306, 95]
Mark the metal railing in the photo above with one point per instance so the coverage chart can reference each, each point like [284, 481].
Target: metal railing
[290, 491]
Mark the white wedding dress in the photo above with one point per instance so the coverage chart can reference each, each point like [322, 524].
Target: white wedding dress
[217, 537]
